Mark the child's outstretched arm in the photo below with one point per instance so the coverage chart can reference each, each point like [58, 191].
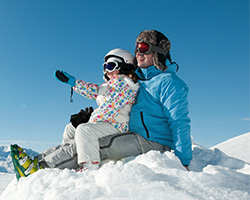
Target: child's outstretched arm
[88, 90]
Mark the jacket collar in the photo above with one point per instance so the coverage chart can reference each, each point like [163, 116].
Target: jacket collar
[147, 73]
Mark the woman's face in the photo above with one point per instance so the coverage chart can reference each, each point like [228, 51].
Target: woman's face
[144, 61]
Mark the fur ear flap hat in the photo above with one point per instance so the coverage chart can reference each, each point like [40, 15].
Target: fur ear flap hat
[157, 39]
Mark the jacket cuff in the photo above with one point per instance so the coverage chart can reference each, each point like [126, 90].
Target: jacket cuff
[185, 162]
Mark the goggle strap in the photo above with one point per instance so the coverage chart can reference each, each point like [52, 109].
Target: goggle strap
[106, 58]
[159, 50]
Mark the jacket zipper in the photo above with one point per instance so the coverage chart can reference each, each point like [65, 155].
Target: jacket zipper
[144, 125]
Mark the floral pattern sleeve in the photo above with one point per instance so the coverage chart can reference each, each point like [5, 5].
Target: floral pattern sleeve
[88, 90]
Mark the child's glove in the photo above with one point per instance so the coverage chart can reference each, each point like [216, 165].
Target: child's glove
[82, 117]
[65, 77]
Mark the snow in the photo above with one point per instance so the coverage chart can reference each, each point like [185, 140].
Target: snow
[5, 179]
[233, 147]
[213, 175]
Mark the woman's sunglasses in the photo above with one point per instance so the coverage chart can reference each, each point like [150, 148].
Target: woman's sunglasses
[145, 48]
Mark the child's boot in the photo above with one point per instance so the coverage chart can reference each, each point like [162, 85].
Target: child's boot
[23, 164]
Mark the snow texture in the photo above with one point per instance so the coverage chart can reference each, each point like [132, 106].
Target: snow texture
[213, 175]
[233, 147]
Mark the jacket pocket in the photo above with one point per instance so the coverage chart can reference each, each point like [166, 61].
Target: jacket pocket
[144, 125]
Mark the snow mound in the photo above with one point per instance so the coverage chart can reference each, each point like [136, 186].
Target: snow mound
[237, 147]
[153, 175]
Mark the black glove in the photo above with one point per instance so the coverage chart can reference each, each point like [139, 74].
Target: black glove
[65, 77]
[81, 117]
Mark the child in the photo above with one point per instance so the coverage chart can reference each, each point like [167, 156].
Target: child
[114, 98]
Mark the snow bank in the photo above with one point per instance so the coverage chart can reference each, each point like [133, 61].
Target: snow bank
[213, 175]
[234, 147]
[5, 179]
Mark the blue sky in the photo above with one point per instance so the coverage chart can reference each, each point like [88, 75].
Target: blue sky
[210, 42]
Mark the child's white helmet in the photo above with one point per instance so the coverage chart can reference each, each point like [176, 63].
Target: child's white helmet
[125, 55]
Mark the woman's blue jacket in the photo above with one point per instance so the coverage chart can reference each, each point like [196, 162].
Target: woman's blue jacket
[160, 113]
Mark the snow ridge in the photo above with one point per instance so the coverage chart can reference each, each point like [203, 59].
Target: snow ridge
[236, 147]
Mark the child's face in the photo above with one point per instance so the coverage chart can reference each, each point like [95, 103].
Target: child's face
[113, 73]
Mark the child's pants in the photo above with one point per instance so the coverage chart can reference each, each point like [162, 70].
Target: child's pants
[86, 137]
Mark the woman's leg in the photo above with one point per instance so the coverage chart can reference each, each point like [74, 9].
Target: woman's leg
[115, 147]
[69, 133]
[60, 156]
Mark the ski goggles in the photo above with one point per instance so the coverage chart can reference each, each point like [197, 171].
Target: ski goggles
[110, 66]
[145, 48]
